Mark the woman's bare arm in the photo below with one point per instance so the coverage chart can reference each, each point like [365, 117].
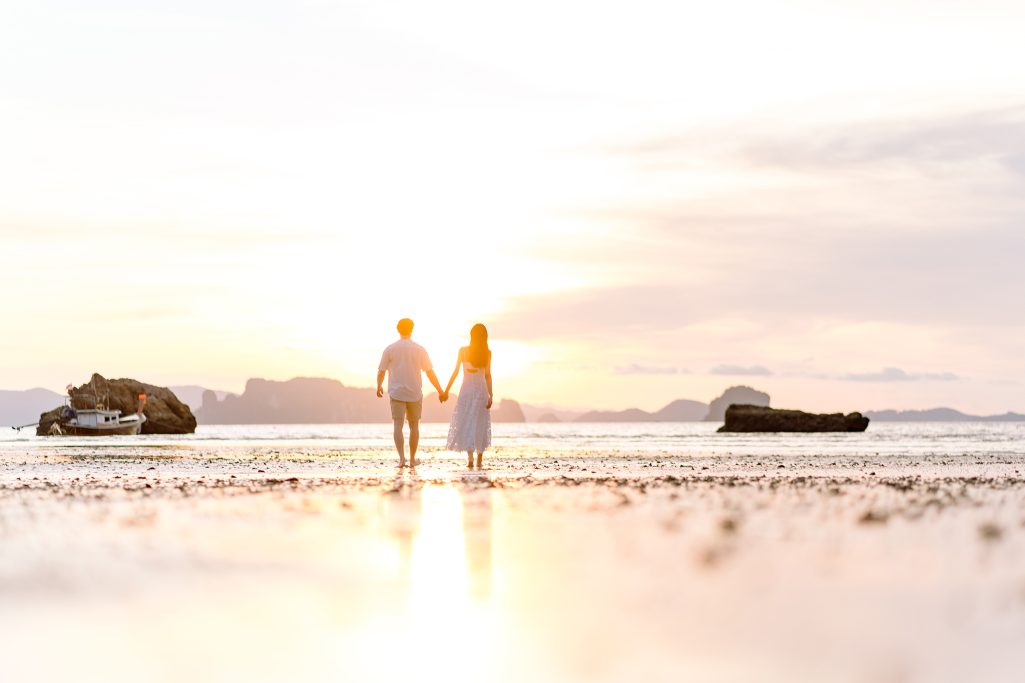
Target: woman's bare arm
[487, 378]
[455, 373]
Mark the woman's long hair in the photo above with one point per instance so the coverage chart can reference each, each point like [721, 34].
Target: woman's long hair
[478, 352]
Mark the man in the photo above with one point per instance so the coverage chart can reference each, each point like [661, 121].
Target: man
[404, 361]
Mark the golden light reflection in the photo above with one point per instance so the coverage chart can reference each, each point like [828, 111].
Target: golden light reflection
[477, 540]
[442, 540]
[401, 509]
[438, 575]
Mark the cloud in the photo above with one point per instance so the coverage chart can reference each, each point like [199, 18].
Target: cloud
[941, 278]
[952, 138]
[898, 375]
[635, 369]
[740, 370]
[898, 221]
[999, 134]
[904, 221]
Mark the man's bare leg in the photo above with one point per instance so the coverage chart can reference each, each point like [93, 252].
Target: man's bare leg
[399, 446]
[414, 441]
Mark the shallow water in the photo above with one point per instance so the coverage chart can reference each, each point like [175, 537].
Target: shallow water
[676, 438]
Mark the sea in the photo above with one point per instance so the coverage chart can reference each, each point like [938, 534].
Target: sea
[679, 439]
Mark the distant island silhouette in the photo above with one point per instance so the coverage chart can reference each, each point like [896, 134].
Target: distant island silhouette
[320, 400]
[735, 396]
[938, 415]
[298, 400]
[317, 400]
[24, 407]
[682, 410]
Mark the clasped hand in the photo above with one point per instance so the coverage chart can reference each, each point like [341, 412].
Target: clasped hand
[443, 396]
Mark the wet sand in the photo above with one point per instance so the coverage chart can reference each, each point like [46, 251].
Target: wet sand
[260, 564]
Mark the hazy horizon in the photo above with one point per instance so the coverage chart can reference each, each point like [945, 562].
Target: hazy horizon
[538, 407]
[638, 208]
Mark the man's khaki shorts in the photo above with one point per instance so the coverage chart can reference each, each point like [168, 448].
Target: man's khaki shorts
[410, 410]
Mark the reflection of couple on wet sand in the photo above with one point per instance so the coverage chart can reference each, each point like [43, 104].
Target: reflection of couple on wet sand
[470, 429]
[405, 515]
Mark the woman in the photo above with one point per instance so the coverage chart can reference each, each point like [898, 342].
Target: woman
[470, 430]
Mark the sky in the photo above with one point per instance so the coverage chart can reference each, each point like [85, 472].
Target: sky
[642, 200]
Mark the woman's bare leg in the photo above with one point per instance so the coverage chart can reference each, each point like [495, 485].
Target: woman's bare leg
[480, 460]
[469, 459]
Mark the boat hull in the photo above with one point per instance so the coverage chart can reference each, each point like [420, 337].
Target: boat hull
[116, 430]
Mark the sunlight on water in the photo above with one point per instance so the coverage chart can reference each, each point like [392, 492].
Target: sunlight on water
[438, 554]
[449, 570]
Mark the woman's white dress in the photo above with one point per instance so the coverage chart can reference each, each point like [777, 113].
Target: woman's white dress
[470, 429]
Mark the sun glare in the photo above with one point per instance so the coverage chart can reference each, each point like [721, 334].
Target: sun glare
[442, 542]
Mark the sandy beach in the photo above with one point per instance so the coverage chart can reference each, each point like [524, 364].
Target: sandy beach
[170, 563]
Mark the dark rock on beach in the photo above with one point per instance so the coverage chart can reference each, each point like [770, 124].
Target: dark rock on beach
[165, 414]
[747, 418]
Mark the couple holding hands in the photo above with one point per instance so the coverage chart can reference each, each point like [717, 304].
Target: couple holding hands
[470, 429]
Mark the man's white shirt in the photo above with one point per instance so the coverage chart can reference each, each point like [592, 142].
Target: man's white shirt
[404, 361]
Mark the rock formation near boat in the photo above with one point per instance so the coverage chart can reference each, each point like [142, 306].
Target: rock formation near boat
[165, 414]
[747, 418]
